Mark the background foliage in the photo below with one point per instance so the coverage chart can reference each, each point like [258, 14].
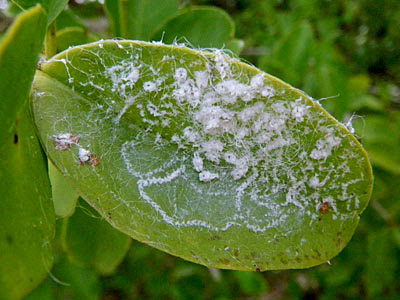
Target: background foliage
[347, 50]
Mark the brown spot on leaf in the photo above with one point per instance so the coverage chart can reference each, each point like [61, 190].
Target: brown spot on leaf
[258, 270]
[324, 208]
[224, 261]
[93, 160]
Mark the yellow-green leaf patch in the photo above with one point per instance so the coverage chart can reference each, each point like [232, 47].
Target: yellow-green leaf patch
[200, 155]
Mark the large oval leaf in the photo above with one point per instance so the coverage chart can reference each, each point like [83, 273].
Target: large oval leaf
[200, 155]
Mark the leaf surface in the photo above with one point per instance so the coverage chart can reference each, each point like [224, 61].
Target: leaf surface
[52, 7]
[90, 241]
[73, 36]
[26, 212]
[64, 196]
[203, 27]
[202, 156]
[138, 19]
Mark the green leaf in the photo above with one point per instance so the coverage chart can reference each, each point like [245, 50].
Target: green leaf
[68, 19]
[201, 26]
[26, 212]
[64, 196]
[290, 55]
[251, 283]
[52, 7]
[202, 156]
[138, 19]
[381, 134]
[92, 242]
[236, 46]
[111, 8]
[73, 36]
[381, 264]
[45, 291]
[82, 283]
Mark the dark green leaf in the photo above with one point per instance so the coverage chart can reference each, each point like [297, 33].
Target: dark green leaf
[81, 283]
[201, 26]
[381, 264]
[67, 19]
[73, 36]
[26, 211]
[138, 19]
[92, 242]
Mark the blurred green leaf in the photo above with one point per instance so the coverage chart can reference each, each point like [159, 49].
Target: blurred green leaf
[381, 135]
[138, 19]
[90, 241]
[73, 36]
[203, 27]
[290, 55]
[111, 8]
[52, 7]
[251, 284]
[64, 196]
[67, 19]
[45, 291]
[235, 45]
[381, 264]
[26, 211]
[81, 283]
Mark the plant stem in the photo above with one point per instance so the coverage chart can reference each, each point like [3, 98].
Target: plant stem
[51, 40]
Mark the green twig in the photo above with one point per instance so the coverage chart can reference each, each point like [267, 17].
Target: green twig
[51, 41]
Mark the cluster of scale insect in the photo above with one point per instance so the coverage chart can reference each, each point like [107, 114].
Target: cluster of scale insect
[239, 129]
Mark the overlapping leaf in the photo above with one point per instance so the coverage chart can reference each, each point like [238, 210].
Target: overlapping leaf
[26, 212]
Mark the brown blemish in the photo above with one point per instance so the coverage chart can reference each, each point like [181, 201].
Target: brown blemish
[258, 270]
[93, 160]
[284, 261]
[215, 238]
[236, 253]
[317, 252]
[339, 241]
[74, 138]
[324, 208]
[224, 261]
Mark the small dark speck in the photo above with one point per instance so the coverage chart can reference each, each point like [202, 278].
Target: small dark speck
[258, 270]
[9, 239]
[15, 138]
